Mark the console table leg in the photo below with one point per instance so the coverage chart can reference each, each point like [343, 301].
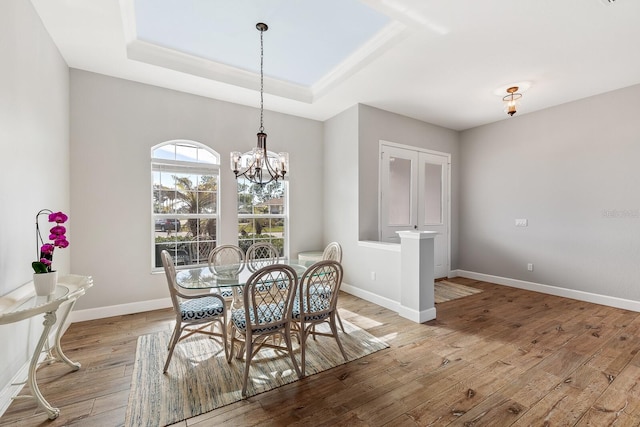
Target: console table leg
[52, 413]
[61, 355]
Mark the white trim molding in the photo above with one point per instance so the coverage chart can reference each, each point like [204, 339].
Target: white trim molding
[119, 310]
[417, 316]
[371, 297]
[610, 301]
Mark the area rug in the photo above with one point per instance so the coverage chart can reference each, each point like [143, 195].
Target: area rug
[200, 380]
[447, 291]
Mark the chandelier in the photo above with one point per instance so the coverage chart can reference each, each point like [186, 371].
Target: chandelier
[512, 100]
[259, 165]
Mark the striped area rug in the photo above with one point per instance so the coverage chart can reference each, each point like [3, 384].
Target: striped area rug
[447, 291]
[200, 380]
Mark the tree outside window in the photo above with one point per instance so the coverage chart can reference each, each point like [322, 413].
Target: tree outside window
[185, 199]
[262, 214]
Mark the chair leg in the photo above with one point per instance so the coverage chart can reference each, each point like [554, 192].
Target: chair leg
[287, 339]
[175, 329]
[340, 321]
[232, 333]
[247, 363]
[302, 338]
[175, 337]
[334, 330]
[223, 327]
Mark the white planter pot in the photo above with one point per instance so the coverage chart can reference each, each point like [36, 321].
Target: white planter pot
[45, 283]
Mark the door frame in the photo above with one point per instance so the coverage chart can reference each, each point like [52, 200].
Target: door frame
[448, 195]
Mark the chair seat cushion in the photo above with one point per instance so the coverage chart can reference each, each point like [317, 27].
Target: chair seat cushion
[201, 308]
[226, 292]
[314, 309]
[266, 314]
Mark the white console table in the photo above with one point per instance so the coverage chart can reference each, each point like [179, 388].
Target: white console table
[68, 290]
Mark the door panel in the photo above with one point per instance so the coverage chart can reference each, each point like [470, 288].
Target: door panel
[414, 195]
[398, 192]
[434, 205]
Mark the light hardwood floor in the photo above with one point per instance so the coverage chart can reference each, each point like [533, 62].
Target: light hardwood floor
[501, 357]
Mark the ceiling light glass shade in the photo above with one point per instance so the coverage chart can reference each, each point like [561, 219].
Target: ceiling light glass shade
[512, 101]
[259, 165]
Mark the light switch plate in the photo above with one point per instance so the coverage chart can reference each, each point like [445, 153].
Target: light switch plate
[522, 222]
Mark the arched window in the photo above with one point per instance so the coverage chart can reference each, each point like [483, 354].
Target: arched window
[184, 202]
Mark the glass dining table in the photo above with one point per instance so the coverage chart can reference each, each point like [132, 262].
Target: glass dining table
[226, 277]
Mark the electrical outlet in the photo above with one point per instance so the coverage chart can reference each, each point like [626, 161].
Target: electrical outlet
[530, 267]
[373, 275]
[522, 222]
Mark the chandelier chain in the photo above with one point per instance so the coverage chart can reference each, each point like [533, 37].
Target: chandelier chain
[261, 80]
[260, 166]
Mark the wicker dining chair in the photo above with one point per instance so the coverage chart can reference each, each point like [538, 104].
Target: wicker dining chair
[316, 302]
[268, 300]
[261, 254]
[333, 252]
[200, 247]
[226, 262]
[194, 313]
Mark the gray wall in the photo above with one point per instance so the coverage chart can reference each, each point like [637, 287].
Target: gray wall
[376, 125]
[351, 192]
[113, 127]
[572, 171]
[34, 165]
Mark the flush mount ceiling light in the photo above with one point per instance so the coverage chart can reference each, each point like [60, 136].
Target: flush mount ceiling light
[511, 100]
[259, 165]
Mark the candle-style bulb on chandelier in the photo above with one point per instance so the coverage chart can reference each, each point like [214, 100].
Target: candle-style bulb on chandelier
[259, 165]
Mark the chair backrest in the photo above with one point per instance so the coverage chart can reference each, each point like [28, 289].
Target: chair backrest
[200, 247]
[261, 254]
[268, 298]
[332, 252]
[226, 261]
[318, 288]
[170, 272]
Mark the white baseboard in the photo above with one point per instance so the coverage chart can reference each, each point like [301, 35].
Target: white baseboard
[417, 316]
[408, 313]
[552, 290]
[119, 310]
[371, 297]
[11, 390]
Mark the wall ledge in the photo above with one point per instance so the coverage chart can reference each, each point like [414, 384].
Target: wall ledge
[385, 246]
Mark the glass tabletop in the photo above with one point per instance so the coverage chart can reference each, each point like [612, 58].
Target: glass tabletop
[35, 305]
[60, 292]
[225, 276]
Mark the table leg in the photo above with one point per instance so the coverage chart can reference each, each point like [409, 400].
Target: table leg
[61, 355]
[52, 413]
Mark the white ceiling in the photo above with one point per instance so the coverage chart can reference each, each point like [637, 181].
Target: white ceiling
[446, 62]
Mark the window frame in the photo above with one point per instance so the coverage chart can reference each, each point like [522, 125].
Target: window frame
[181, 167]
[284, 216]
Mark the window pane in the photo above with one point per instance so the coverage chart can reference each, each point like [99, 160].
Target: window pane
[187, 153]
[400, 191]
[261, 203]
[205, 156]
[432, 193]
[184, 205]
[167, 152]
